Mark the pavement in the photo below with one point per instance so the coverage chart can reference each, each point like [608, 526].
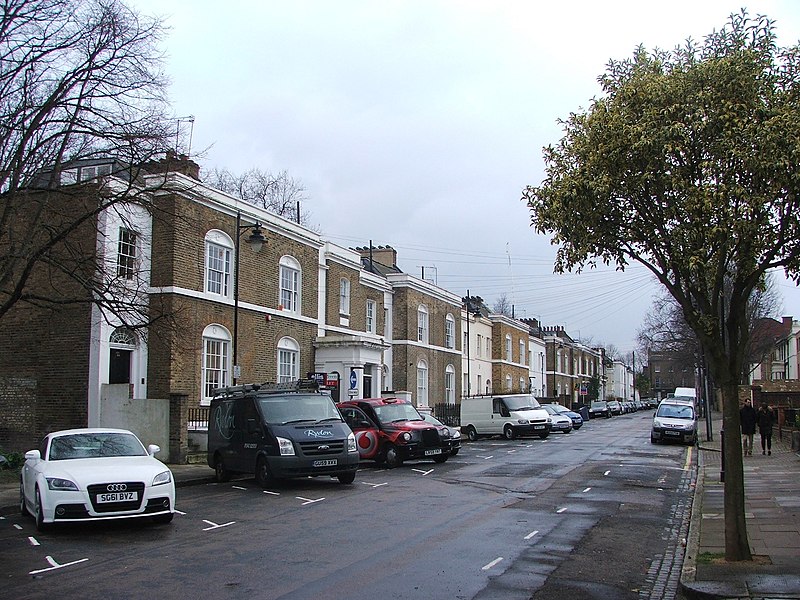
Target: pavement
[772, 512]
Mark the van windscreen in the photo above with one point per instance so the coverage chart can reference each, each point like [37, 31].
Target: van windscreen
[280, 410]
[521, 402]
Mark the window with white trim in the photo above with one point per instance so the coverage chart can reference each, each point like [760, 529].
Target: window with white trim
[508, 383]
[479, 347]
[422, 324]
[508, 348]
[522, 351]
[450, 331]
[126, 253]
[344, 296]
[522, 386]
[290, 275]
[450, 384]
[216, 360]
[219, 260]
[288, 360]
[371, 307]
[422, 383]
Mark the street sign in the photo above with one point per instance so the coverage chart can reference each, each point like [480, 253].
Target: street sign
[353, 380]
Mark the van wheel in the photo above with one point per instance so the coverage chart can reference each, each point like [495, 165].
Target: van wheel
[263, 476]
[472, 434]
[347, 477]
[392, 456]
[221, 472]
[508, 432]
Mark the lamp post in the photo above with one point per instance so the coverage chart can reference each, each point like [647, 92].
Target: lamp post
[255, 240]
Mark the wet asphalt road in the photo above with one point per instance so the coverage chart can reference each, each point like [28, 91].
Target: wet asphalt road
[598, 513]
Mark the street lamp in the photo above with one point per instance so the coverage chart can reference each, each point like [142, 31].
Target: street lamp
[255, 240]
[472, 309]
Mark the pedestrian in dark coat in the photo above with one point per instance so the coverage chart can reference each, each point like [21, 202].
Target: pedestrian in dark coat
[748, 418]
[765, 420]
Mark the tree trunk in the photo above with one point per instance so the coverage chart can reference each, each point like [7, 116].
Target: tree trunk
[737, 546]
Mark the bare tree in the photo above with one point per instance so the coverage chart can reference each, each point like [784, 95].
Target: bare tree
[80, 84]
[281, 194]
[503, 306]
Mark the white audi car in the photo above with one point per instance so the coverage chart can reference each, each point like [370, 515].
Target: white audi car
[95, 474]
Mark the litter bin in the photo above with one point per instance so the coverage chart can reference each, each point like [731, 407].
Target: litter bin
[582, 410]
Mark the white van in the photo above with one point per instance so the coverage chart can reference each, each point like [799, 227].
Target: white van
[508, 415]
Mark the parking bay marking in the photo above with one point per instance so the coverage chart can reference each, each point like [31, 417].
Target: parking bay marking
[488, 566]
[309, 500]
[375, 484]
[215, 526]
[54, 565]
[531, 534]
[429, 471]
[33, 541]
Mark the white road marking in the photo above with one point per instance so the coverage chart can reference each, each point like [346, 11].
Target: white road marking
[309, 500]
[606, 473]
[429, 471]
[55, 565]
[180, 512]
[561, 510]
[375, 484]
[531, 534]
[586, 490]
[491, 564]
[236, 487]
[16, 526]
[486, 457]
[510, 451]
[215, 526]
[33, 541]
[271, 493]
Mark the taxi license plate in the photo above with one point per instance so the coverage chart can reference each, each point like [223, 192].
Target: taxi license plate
[538, 426]
[432, 452]
[118, 497]
[331, 462]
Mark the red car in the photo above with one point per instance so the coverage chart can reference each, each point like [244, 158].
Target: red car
[390, 430]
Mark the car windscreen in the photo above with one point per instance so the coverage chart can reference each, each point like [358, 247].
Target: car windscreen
[599, 404]
[521, 403]
[675, 411]
[280, 410]
[387, 413]
[95, 445]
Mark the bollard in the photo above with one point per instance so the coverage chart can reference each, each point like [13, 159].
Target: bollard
[722, 454]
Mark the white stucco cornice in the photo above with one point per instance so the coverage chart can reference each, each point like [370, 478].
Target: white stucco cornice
[404, 280]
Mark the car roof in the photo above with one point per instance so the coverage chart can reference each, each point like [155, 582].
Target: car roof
[375, 401]
[88, 430]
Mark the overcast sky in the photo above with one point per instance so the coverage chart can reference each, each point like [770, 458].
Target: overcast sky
[417, 124]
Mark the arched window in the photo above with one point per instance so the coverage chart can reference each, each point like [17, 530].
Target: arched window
[508, 383]
[288, 360]
[219, 258]
[422, 383]
[216, 360]
[450, 384]
[289, 284]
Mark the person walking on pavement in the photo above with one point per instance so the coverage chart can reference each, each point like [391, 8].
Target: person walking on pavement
[765, 420]
[748, 418]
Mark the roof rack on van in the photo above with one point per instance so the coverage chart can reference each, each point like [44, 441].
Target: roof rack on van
[232, 390]
[300, 385]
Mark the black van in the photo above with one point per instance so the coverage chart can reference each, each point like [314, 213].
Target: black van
[279, 431]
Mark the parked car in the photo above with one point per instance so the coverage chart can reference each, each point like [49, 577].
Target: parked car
[558, 422]
[577, 419]
[391, 430]
[455, 434]
[93, 474]
[674, 421]
[599, 408]
[614, 407]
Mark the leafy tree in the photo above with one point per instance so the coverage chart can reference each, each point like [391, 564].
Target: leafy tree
[80, 80]
[280, 194]
[687, 165]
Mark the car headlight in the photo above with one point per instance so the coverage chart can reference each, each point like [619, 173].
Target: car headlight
[657, 423]
[162, 478]
[285, 446]
[62, 485]
[523, 421]
[549, 420]
[351, 443]
[406, 436]
[456, 434]
[445, 433]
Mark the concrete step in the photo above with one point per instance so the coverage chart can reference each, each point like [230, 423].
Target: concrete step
[196, 458]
